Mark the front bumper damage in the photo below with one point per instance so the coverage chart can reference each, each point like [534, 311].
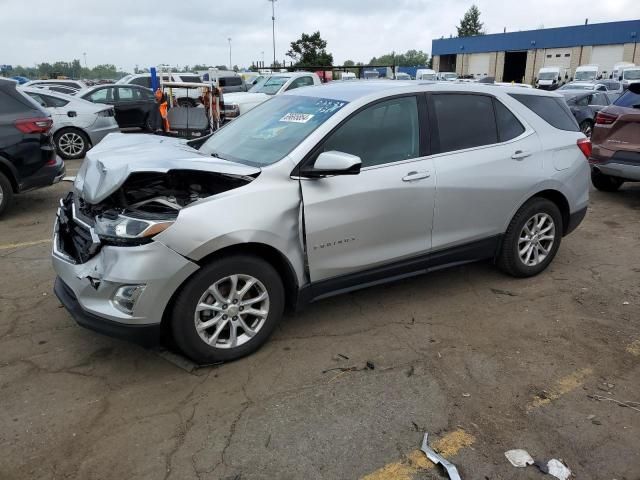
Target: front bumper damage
[87, 284]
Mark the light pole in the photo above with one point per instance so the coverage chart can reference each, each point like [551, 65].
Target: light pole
[230, 65]
[84, 54]
[273, 28]
[263, 59]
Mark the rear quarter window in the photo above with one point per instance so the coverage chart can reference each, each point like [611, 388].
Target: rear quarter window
[552, 110]
[628, 99]
[9, 104]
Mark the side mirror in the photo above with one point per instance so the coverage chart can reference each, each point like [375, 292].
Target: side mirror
[332, 163]
[620, 78]
[72, 114]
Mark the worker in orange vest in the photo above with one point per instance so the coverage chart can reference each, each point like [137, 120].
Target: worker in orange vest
[163, 108]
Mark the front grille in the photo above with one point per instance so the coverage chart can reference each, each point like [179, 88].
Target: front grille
[75, 238]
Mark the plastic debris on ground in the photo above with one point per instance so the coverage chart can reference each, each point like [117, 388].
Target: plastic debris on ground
[519, 458]
[436, 458]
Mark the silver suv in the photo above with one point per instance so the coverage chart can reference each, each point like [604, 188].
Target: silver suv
[316, 192]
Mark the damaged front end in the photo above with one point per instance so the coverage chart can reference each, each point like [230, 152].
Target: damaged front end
[126, 202]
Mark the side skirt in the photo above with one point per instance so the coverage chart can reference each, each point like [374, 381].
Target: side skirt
[450, 257]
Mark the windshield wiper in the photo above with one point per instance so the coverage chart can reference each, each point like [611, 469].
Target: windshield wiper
[217, 155]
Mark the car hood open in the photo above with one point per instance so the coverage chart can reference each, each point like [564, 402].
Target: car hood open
[108, 165]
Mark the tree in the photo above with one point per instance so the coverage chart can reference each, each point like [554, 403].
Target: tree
[310, 50]
[411, 58]
[348, 63]
[470, 24]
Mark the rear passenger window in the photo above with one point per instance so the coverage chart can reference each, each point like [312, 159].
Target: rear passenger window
[464, 121]
[509, 126]
[8, 104]
[552, 110]
[142, 81]
[383, 133]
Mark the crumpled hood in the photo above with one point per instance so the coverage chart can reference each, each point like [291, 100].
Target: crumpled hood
[108, 165]
[240, 98]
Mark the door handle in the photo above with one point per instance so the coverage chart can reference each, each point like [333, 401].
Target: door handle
[411, 176]
[520, 155]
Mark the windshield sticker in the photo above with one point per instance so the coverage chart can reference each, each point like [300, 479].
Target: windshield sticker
[297, 117]
[329, 106]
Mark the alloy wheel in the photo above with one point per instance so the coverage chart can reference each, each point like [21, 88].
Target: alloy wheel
[232, 311]
[71, 144]
[536, 239]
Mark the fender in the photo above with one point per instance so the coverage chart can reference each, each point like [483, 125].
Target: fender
[7, 167]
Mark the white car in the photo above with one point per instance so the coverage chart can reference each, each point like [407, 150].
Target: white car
[50, 84]
[236, 104]
[183, 96]
[77, 124]
[426, 74]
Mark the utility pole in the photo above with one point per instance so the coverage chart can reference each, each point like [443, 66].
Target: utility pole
[230, 64]
[273, 28]
[85, 59]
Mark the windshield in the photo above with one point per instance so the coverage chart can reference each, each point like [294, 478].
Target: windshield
[547, 76]
[427, 76]
[269, 85]
[631, 75]
[272, 130]
[586, 75]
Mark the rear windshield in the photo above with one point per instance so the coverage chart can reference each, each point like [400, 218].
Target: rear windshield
[190, 78]
[628, 99]
[230, 81]
[552, 110]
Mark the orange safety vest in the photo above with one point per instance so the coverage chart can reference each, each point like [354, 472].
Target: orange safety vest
[164, 108]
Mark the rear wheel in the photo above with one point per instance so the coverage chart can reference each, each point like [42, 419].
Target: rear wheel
[228, 309]
[6, 193]
[605, 183]
[532, 239]
[71, 143]
[586, 127]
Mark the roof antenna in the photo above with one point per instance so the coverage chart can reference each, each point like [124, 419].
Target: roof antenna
[586, 21]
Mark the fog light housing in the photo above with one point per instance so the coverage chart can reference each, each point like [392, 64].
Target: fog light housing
[126, 297]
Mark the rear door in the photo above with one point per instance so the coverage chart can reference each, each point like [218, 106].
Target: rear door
[486, 160]
[354, 223]
[131, 106]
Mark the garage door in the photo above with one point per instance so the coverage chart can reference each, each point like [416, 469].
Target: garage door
[479, 64]
[607, 56]
[557, 57]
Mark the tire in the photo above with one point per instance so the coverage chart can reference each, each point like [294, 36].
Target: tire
[515, 240]
[211, 286]
[6, 193]
[71, 143]
[605, 183]
[586, 127]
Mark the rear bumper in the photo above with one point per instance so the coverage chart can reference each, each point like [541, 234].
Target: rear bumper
[575, 219]
[146, 335]
[46, 176]
[621, 164]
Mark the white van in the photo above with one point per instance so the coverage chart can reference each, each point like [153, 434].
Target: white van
[448, 76]
[426, 74]
[587, 73]
[550, 78]
[630, 75]
[347, 76]
[616, 73]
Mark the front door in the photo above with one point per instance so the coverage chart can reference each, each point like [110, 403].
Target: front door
[130, 107]
[383, 215]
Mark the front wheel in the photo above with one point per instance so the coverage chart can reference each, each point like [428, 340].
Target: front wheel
[605, 183]
[532, 239]
[228, 309]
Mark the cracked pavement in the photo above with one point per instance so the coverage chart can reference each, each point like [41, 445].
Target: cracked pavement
[513, 363]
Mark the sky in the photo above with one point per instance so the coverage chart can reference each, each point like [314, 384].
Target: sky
[127, 33]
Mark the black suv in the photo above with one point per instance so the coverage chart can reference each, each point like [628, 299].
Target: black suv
[27, 154]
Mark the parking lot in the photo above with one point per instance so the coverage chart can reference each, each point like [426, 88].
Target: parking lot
[346, 389]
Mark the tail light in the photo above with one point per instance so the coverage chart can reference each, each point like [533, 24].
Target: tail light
[584, 144]
[605, 118]
[34, 125]
[106, 113]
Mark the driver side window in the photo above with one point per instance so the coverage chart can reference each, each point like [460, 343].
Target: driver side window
[383, 133]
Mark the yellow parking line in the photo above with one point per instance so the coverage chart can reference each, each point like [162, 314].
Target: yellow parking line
[634, 348]
[562, 387]
[10, 246]
[408, 467]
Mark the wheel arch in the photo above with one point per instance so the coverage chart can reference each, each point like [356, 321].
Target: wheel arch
[266, 252]
[8, 171]
[559, 200]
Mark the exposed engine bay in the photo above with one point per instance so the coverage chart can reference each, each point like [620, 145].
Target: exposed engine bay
[163, 195]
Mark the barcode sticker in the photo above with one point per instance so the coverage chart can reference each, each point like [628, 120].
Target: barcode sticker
[297, 117]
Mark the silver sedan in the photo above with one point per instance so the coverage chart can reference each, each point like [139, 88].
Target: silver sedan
[77, 124]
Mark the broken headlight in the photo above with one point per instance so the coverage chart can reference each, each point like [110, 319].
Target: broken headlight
[123, 227]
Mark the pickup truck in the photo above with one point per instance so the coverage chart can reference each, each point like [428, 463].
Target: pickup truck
[236, 104]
